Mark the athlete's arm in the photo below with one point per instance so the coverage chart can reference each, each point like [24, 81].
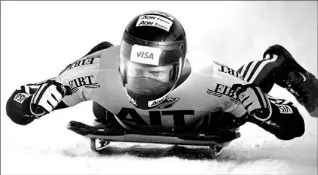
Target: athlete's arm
[285, 122]
[32, 101]
[23, 107]
[279, 117]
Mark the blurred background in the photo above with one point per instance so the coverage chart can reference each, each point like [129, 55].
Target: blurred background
[38, 39]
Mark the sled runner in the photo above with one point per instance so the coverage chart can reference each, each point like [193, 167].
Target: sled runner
[101, 137]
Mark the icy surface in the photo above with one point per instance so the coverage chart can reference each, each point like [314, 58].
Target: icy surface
[46, 147]
[39, 39]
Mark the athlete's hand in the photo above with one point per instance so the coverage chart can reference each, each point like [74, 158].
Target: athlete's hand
[47, 97]
[254, 101]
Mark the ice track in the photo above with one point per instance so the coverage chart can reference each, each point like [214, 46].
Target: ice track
[59, 151]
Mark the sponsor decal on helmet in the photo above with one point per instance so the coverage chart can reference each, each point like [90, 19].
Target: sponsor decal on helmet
[162, 14]
[155, 21]
[145, 55]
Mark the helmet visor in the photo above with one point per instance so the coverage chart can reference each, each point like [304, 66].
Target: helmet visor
[147, 74]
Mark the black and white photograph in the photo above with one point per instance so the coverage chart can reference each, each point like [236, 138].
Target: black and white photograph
[159, 87]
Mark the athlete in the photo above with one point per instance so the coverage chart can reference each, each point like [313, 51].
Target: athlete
[148, 82]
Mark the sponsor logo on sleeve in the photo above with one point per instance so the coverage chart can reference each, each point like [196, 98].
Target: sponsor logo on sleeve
[155, 21]
[88, 60]
[221, 90]
[145, 55]
[20, 97]
[225, 69]
[86, 81]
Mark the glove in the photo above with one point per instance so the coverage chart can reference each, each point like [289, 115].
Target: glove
[47, 97]
[254, 101]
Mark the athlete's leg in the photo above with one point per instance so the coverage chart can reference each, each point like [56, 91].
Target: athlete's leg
[285, 122]
[279, 67]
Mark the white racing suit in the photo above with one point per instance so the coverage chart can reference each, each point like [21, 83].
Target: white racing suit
[203, 98]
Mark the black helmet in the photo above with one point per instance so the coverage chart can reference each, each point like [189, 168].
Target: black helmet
[152, 56]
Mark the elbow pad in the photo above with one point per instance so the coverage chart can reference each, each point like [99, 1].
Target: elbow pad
[18, 108]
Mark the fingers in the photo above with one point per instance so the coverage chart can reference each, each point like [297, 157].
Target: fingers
[47, 97]
[57, 96]
[263, 100]
[50, 99]
[39, 93]
[254, 100]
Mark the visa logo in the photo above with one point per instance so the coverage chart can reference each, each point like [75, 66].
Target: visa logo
[146, 55]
